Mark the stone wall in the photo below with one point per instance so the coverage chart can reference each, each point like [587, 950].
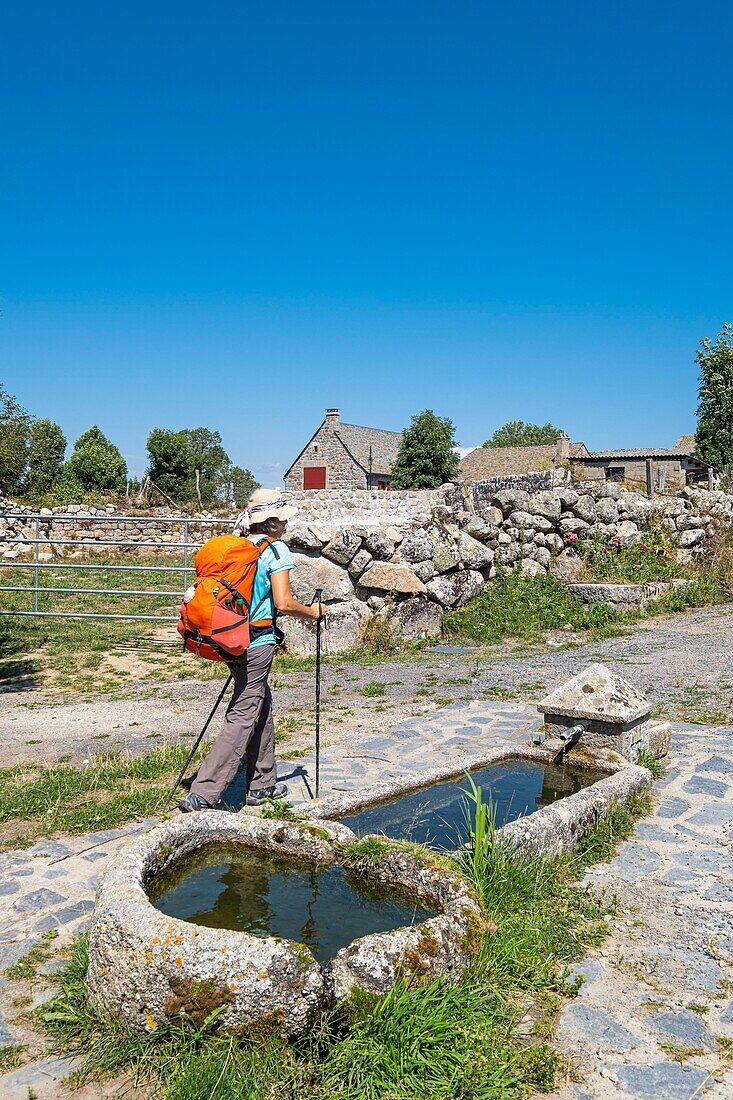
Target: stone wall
[330, 510]
[414, 555]
[483, 491]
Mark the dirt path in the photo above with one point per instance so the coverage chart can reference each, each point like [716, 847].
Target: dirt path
[683, 663]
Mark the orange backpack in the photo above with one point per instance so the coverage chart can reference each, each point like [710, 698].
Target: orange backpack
[214, 621]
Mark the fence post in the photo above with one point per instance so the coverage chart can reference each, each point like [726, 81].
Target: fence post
[650, 477]
[185, 554]
[35, 571]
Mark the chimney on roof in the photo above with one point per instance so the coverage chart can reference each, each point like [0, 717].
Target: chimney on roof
[332, 416]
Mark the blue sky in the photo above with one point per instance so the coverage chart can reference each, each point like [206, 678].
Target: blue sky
[238, 214]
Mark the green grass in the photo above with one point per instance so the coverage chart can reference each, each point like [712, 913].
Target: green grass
[652, 764]
[373, 689]
[111, 790]
[446, 1040]
[26, 967]
[515, 606]
[525, 607]
[11, 1057]
[652, 559]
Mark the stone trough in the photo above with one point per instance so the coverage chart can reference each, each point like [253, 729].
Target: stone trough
[148, 968]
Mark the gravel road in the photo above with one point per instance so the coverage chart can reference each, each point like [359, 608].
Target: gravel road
[683, 663]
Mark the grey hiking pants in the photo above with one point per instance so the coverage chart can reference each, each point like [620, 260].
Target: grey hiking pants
[248, 728]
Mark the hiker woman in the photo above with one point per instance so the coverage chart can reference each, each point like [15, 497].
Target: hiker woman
[249, 727]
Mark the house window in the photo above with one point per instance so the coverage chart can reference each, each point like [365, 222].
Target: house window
[314, 477]
[615, 473]
[382, 484]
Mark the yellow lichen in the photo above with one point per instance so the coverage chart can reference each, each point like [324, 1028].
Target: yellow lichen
[224, 949]
[148, 956]
[233, 986]
[155, 939]
[151, 1024]
[178, 961]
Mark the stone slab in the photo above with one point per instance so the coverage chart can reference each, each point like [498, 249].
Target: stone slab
[597, 1029]
[660, 1081]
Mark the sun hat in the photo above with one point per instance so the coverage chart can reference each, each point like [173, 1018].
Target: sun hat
[264, 504]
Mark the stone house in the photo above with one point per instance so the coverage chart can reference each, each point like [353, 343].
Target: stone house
[650, 467]
[344, 456]
[492, 463]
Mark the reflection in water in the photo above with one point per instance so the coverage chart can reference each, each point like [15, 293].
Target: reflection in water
[437, 815]
[323, 907]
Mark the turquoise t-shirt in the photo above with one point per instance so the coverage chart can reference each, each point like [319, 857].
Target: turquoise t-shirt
[263, 606]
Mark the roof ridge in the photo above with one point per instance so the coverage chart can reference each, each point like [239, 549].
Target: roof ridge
[365, 428]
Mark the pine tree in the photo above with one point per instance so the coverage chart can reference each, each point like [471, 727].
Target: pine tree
[426, 458]
[714, 436]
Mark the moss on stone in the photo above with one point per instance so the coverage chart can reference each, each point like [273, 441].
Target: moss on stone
[196, 999]
[361, 1003]
[302, 953]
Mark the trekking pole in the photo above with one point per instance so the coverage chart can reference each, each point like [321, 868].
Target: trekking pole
[199, 739]
[318, 596]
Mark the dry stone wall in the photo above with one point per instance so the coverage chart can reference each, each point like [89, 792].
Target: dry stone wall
[415, 555]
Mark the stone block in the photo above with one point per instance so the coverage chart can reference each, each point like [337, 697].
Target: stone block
[312, 572]
[417, 618]
[392, 578]
[344, 624]
[614, 713]
[455, 589]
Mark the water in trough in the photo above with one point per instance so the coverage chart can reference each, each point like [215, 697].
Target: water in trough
[437, 815]
[325, 908]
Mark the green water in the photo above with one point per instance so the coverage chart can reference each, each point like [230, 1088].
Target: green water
[436, 815]
[325, 908]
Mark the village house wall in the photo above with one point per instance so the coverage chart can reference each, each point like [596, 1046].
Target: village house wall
[325, 449]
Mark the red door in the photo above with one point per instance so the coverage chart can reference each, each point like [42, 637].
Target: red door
[314, 477]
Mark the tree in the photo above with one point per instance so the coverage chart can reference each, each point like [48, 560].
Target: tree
[45, 455]
[426, 457]
[176, 456]
[171, 464]
[96, 464]
[518, 434]
[212, 462]
[243, 485]
[714, 436]
[15, 426]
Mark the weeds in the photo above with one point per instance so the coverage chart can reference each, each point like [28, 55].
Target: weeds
[11, 1056]
[373, 689]
[379, 636]
[524, 607]
[652, 764]
[25, 969]
[111, 790]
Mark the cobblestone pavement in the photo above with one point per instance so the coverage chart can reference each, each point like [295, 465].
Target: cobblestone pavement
[653, 1018]
[664, 977]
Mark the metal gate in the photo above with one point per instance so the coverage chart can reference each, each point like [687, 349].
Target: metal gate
[186, 548]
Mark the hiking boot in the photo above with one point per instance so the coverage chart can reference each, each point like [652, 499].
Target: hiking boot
[192, 803]
[256, 798]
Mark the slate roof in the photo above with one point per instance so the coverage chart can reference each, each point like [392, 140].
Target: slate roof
[644, 452]
[358, 440]
[483, 463]
[688, 442]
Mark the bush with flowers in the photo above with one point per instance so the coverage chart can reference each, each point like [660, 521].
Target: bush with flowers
[652, 559]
